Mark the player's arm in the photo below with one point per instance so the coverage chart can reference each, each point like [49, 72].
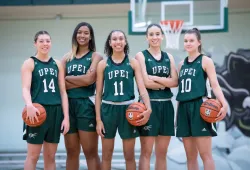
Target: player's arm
[90, 77]
[172, 80]
[26, 71]
[175, 120]
[150, 84]
[209, 68]
[142, 91]
[26, 75]
[98, 98]
[64, 97]
[64, 61]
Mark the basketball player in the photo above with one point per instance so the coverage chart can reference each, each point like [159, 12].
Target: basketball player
[193, 73]
[80, 65]
[116, 76]
[43, 82]
[159, 75]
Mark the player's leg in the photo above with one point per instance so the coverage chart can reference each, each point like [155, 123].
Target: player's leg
[148, 132]
[89, 143]
[204, 146]
[147, 143]
[49, 152]
[72, 146]
[107, 153]
[128, 133]
[110, 119]
[86, 125]
[33, 153]
[203, 133]
[191, 153]
[161, 147]
[184, 131]
[52, 137]
[34, 137]
[71, 140]
[129, 153]
[165, 115]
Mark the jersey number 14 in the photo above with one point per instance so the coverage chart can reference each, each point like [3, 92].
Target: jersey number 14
[50, 86]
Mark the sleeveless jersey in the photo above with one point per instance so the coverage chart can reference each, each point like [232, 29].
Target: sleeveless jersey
[118, 81]
[192, 80]
[44, 84]
[77, 67]
[159, 68]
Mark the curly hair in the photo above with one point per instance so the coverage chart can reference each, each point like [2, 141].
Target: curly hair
[108, 49]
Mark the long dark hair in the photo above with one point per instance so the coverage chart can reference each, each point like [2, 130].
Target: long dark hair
[197, 34]
[108, 49]
[75, 44]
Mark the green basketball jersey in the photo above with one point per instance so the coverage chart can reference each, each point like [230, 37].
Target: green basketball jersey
[118, 81]
[77, 67]
[44, 84]
[192, 80]
[159, 68]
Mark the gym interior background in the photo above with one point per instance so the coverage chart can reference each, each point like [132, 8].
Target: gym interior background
[230, 50]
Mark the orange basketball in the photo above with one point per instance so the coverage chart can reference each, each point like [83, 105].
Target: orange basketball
[41, 117]
[133, 111]
[209, 110]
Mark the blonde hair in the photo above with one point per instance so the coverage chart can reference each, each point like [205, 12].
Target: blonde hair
[72, 54]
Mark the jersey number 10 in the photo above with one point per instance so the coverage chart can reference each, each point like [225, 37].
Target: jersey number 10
[185, 85]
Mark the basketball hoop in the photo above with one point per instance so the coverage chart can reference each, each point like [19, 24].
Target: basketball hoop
[172, 30]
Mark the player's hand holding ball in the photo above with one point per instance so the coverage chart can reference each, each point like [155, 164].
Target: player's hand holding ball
[32, 113]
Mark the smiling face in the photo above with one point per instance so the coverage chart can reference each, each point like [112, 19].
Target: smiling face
[191, 42]
[117, 41]
[43, 44]
[83, 36]
[154, 36]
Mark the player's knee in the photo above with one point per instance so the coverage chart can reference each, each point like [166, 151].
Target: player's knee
[33, 157]
[161, 153]
[91, 154]
[146, 154]
[192, 157]
[107, 155]
[49, 156]
[73, 152]
[129, 155]
[206, 156]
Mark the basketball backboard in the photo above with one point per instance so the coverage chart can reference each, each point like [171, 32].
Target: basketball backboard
[206, 15]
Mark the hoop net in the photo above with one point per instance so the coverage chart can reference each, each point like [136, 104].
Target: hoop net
[172, 30]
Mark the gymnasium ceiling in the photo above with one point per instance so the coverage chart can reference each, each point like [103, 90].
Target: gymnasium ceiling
[86, 10]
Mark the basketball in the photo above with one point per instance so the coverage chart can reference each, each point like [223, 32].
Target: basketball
[41, 117]
[133, 111]
[209, 110]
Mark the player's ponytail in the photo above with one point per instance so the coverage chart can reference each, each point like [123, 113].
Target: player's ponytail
[195, 31]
